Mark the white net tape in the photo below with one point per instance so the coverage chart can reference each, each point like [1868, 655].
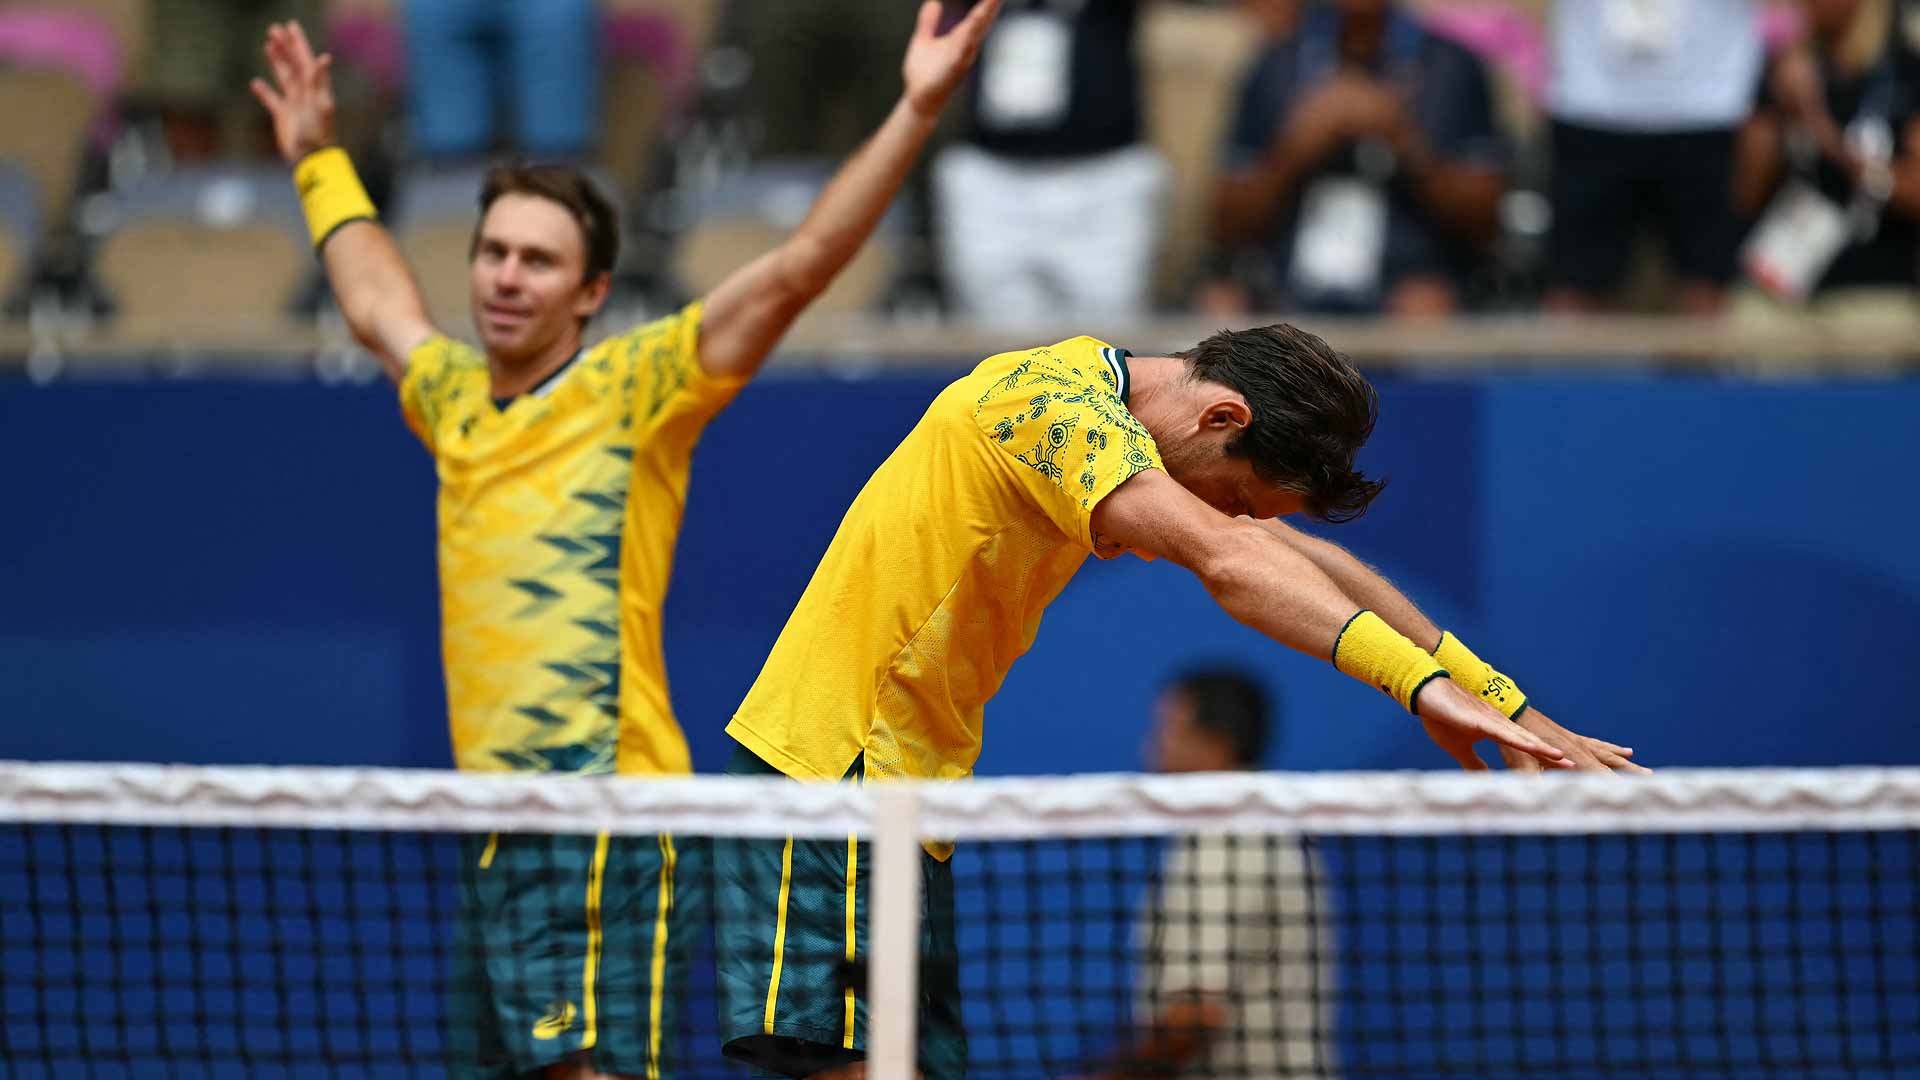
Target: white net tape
[1680, 800]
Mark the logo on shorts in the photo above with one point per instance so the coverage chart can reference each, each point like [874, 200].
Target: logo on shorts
[558, 1019]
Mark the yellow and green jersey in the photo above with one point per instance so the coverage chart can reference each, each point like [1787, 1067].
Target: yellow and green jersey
[558, 513]
[937, 578]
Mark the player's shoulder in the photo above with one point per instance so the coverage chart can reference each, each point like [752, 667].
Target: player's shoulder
[440, 366]
[1080, 368]
[442, 352]
[676, 331]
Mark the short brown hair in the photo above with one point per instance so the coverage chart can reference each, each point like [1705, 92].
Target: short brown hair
[1312, 412]
[599, 222]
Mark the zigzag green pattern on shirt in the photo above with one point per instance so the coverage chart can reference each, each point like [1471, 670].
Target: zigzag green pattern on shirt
[591, 671]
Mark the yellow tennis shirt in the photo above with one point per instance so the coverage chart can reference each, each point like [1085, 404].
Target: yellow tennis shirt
[550, 622]
[937, 578]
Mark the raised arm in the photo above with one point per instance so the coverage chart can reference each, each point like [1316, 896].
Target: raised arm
[1264, 583]
[747, 313]
[371, 283]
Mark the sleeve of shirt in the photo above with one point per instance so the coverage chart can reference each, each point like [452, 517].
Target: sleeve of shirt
[430, 385]
[1069, 442]
[671, 392]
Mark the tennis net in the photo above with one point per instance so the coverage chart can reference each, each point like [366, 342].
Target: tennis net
[188, 921]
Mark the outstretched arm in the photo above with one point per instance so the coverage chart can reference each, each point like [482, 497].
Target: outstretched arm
[1262, 582]
[1372, 590]
[747, 314]
[371, 283]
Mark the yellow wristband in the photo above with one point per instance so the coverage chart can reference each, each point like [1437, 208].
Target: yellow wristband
[1376, 654]
[330, 193]
[1478, 676]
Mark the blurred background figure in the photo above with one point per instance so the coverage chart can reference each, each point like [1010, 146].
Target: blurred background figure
[1647, 97]
[1363, 165]
[824, 71]
[201, 50]
[1829, 174]
[1236, 979]
[503, 74]
[1051, 206]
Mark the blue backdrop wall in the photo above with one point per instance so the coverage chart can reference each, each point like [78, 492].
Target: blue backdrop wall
[1717, 572]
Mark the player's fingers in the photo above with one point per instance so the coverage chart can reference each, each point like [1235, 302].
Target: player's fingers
[1525, 742]
[928, 20]
[266, 96]
[1619, 764]
[1468, 760]
[1520, 763]
[1603, 746]
[301, 46]
[977, 20]
[280, 62]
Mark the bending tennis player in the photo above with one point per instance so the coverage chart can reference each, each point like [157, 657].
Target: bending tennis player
[563, 472]
[938, 576]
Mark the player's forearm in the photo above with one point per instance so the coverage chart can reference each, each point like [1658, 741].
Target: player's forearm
[852, 204]
[1365, 585]
[374, 290]
[1268, 585]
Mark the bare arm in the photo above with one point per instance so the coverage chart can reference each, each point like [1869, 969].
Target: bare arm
[747, 314]
[1362, 582]
[1267, 585]
[371, 283]
[1370, 589]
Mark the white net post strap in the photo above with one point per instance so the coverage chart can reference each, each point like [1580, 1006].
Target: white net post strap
[1670, 801]
[893, 943]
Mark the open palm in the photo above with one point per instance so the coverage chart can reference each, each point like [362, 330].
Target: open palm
[937, 62]
[300, 98]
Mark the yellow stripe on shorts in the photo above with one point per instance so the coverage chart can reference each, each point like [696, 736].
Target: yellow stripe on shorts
[659, 957]
[780, 930]
[595, 876]
[853, 878]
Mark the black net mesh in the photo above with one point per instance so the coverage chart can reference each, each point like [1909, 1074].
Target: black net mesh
[141, 951]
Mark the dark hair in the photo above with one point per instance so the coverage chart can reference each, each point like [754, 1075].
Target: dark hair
[1230, 706]
[572, 189]
[1312, 412]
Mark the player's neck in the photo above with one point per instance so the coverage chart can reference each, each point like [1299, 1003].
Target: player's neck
[1153, 382]
[513, 376]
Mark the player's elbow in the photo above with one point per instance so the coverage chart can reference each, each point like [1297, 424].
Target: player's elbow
[802, 271]
[1233, 564]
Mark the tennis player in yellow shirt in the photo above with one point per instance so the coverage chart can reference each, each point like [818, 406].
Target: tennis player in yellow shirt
[563, 473]
[935, 584]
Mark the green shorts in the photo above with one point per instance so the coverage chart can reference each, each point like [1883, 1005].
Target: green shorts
[572, 946]
[791, 934]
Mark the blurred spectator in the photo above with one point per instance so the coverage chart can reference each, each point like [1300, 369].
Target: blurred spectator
[1236, 979]
[1365, 162]
[541, 57]
[1647, 97]
[201, 51]
[825, 72]
[1051, 206]
[1829, 166]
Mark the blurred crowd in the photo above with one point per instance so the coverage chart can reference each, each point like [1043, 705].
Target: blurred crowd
[1112, 160]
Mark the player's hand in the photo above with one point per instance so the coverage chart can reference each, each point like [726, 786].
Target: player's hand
[1587, 754]
[1456, 720]
[937, 62]
[300, 98]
